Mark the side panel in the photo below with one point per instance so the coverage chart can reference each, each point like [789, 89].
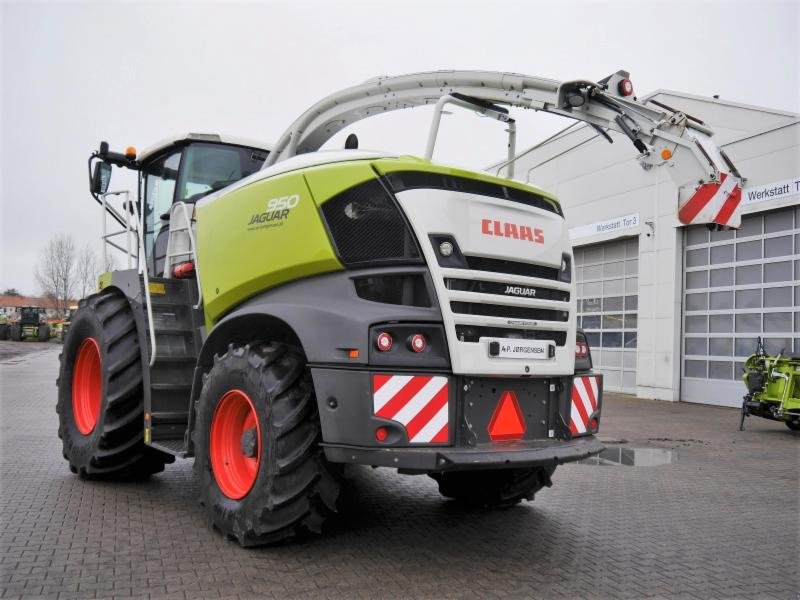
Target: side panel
[257, 237]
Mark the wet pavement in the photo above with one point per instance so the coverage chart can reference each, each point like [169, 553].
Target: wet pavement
[720, 521]
[11, 352]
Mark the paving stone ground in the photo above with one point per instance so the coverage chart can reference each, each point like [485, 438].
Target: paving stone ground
[722, 522]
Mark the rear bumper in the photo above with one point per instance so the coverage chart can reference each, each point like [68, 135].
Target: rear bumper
[527, 453]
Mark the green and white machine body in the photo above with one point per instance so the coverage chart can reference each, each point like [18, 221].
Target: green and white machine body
[434, 306]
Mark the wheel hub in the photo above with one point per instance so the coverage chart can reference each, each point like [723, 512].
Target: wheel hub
[249, 443]
[235, 444]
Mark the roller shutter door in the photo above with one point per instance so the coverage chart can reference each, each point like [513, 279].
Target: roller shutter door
[738, 285]
[608, 301]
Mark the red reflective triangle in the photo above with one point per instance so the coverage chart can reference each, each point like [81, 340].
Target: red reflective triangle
[507, 421]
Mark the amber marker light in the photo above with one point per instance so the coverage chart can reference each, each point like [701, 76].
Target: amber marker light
[666, 153]
[130, 152]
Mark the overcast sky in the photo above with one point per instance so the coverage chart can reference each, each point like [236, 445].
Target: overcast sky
[132, 73]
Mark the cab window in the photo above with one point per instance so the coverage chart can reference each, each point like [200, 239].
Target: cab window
[161, 177]
[211, 167]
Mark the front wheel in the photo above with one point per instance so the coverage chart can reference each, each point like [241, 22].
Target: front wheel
[498, 488]
[100, 396]
[263, 476]
[794, 425]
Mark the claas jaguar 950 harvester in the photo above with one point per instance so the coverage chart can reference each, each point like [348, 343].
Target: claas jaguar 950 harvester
[289, 310]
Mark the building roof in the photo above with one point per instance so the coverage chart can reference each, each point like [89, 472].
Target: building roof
[35, 301]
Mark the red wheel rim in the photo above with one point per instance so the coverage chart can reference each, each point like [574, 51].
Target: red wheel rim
[87, 386]
[235, 455]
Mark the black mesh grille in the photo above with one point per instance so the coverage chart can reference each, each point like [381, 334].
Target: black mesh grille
[473, 333]
[412, 180]
[511, 267]
[506, 289]
[511, 312]
[367, 227]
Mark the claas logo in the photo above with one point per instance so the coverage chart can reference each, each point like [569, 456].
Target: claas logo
[512, 230]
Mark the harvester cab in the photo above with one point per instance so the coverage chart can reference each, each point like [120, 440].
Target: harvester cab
[287, 310]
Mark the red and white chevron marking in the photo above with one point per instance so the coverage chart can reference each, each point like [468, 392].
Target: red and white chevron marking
[419, 402]
[584, 403]
[718, 203]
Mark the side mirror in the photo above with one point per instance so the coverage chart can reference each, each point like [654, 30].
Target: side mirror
[101, 177]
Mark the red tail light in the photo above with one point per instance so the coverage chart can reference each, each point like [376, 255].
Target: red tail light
[417, 343]
[384, 342]
[381, 433]
[581, 349]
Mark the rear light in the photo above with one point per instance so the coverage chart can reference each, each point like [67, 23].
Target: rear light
[384, 342]
[417, 343]
[625, 87]
[381, 433]
[593, 425]
[581, 349]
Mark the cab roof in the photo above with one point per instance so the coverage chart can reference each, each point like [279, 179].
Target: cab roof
[200, 137]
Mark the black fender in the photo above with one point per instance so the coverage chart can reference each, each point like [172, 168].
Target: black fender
[323, 316]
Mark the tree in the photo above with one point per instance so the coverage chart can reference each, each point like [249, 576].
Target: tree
[11, 292]
[55, 271]
[87, 271]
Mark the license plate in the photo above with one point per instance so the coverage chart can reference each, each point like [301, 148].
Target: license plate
[530, 349]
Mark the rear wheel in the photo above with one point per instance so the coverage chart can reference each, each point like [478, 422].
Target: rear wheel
[44, 333]
[498, 488]
[3, 331]
[263, 476]
[100, 404]
[15, 333]
[793, 425]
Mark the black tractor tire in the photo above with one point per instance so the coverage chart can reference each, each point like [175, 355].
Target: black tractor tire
[15, 333]
[44, 333]
[3, 331]
[293, 489]
[793, 425]
[498, 488]
[114, 448]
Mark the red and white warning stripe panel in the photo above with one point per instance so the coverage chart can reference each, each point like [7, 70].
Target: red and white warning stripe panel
[718, 203]
[419, 402]
[585, 400]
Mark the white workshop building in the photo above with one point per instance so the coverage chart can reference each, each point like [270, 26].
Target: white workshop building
[671, 312]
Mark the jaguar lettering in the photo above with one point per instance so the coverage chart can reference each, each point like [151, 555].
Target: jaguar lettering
[515, 290]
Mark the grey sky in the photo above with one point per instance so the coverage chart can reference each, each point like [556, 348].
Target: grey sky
[133, 73]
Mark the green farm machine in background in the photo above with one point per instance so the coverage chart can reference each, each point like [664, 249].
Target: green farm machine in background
[32, 324]
[773, 388]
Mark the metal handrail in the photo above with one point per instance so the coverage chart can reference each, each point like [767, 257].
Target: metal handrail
[187, 227]
[142, 264]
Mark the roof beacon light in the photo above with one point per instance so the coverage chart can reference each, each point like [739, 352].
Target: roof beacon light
[625, 87]
[384, 342]
[130, 152]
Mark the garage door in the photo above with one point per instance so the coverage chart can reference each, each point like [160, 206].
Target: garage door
[738, 286]
[608, 301]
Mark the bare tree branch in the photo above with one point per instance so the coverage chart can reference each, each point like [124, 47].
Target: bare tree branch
[88, 269]
[55, 272]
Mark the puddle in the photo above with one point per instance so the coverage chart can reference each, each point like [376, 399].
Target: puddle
[632, 457]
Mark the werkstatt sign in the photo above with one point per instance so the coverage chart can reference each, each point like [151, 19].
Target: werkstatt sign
[608, 226]
[777, 190]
